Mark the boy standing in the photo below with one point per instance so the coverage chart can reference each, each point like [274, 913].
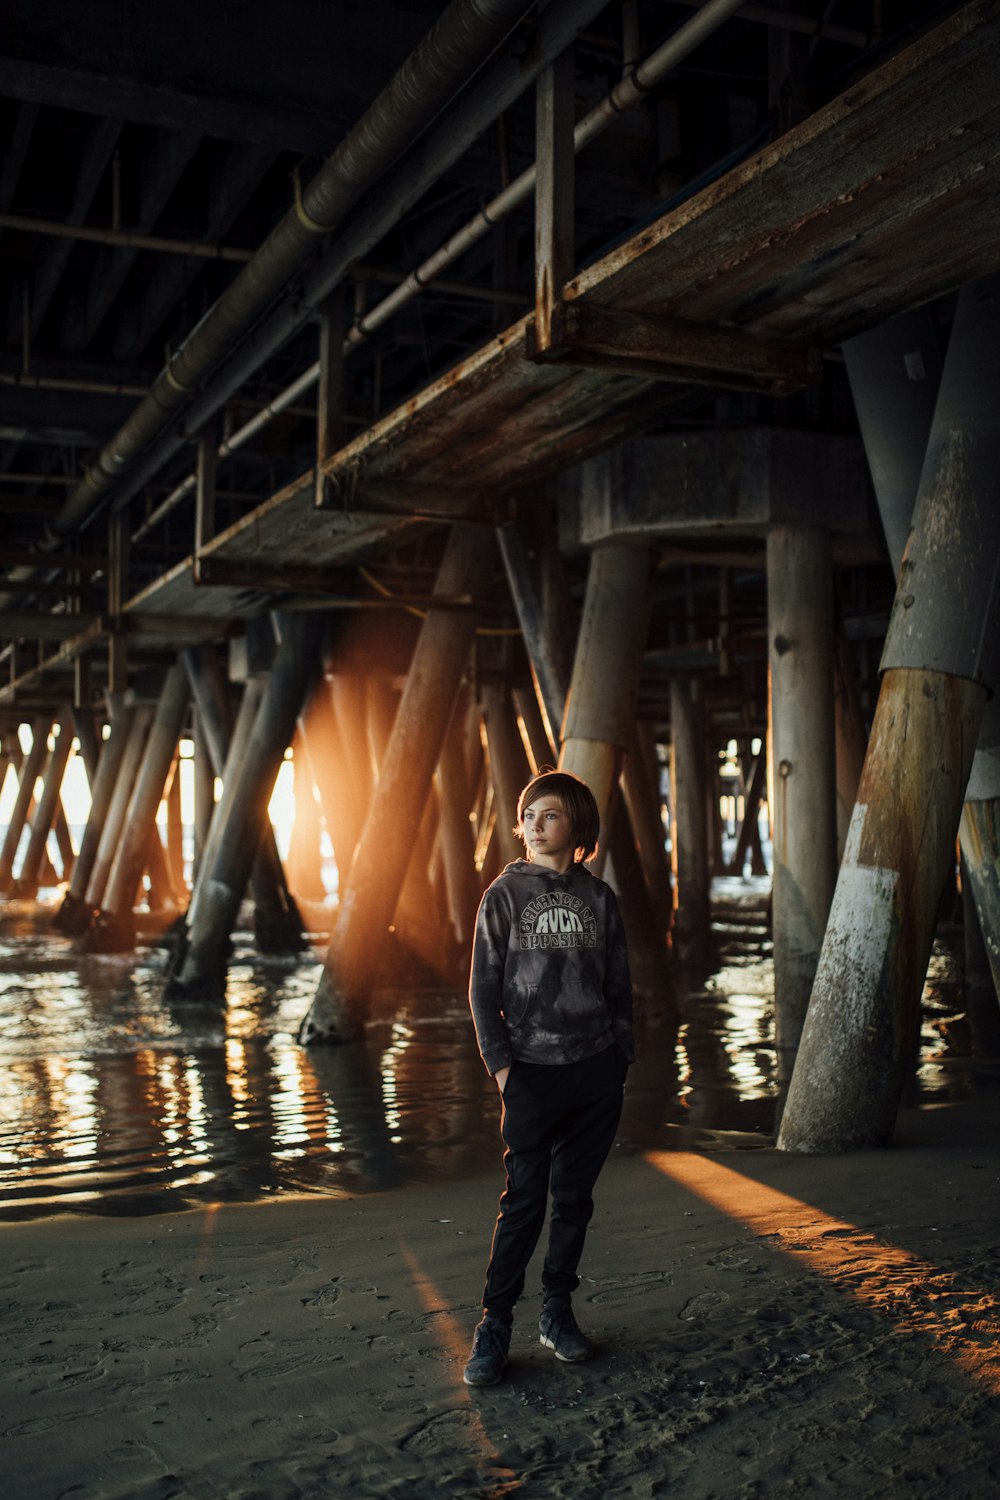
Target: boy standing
[551, 1000]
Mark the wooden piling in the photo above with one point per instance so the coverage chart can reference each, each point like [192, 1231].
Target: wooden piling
[27, 881]
[802, 747]
[397, 807]
[30, 771]
[940, 654]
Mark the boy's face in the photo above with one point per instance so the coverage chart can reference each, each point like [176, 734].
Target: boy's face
[548, 833]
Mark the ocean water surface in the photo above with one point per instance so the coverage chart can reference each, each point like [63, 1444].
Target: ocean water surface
[115, 1101]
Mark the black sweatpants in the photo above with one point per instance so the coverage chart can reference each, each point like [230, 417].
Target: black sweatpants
[558, 1125]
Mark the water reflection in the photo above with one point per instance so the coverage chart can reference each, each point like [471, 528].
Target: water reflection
[113, 1101]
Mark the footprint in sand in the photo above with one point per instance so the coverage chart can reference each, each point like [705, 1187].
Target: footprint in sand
[448, 1432]
[705, 1305]
[630, 1287]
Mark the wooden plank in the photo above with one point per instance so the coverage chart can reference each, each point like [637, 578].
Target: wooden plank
[649, 343]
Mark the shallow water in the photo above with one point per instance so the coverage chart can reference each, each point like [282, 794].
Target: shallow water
[113, 1101]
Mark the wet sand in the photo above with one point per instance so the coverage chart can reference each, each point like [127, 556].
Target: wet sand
[767, 1326]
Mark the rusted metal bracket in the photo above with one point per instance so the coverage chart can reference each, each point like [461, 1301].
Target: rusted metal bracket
[666, 348]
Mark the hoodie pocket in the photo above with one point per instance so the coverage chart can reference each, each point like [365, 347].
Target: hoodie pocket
[517, 1007]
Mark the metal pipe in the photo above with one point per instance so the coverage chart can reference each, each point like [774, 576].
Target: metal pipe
[229, 445]
[782, 20]
[54, 383]
[632, 88]
[456, 46]
[630, 91]
[123, 237]
[557, 27]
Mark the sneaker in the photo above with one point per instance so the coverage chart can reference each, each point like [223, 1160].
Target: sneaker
[558, 1331]
[488, 1359]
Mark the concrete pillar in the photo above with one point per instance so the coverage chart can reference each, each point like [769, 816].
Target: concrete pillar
[643, 806]
[90, 744]
[803, 760]
[600, 707]
[241, 815]
[618, 601]
[175, 831]
[545, 610]
[324, 747]
[980, 987]
[27, 882]
[689, 843]
[979, 833]
[304, 854]
[508, 766]
[397, 805]
[204, 793]
[851, 737]
[234, 754]
[940, 654]
[895, 373]
[117, 807]
[747, 839]
[277, 922]
[458, 845]
[112, 929]
[529, 711]
[73, 916]
[30, 772]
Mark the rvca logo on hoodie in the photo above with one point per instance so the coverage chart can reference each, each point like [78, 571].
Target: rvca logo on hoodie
[557, 919]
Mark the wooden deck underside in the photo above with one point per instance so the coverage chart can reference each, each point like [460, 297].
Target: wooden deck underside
[884, 199]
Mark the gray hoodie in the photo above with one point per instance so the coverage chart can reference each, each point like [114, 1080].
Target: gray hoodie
[550, 978]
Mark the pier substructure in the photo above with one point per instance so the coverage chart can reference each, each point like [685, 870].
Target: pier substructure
[397, 806]
[325, 752]
[979, 833]
[851, 737]
[277, 923]
[458, 845]
[690, 829]
[112, 928]
[939, 660]
[545, 614]
[27, 881]
[599, 721]
[803, 767]
[643, 808]
[109, 828]
[508, 765]
[30, 771]
[241, 814]
[895, 373]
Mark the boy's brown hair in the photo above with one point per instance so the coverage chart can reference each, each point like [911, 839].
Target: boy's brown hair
[578, 804]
